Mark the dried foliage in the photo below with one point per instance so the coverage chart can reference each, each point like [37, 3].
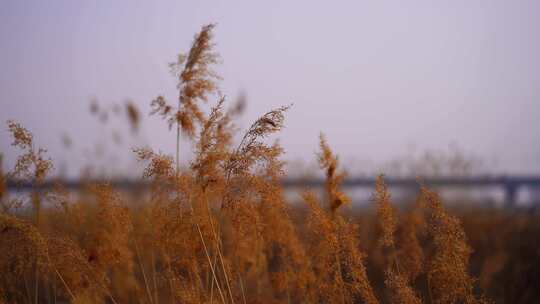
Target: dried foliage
[251, 148]
[134, 116]
[32, 164]
[401, 292]
[337, 260]
[385, 213]
[196, 80]
[24, 255]
[447, 268]
[409, 250]
[396, 282]
[221, 230]
[329, 163]
[74, 271]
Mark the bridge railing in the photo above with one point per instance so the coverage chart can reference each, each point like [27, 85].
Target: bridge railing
[511, 185]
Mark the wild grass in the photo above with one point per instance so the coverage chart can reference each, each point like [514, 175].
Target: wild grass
[222, 230]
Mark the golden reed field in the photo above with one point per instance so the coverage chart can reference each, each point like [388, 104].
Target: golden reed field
[222, 231]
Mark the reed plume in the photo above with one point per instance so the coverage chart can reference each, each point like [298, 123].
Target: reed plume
[289, 266]
[196, 80]
[397, 283]
[74, 272]
[400, 290]
[329, 163]
[386, 214]
[409, 250]
[338, 263]
[251, 148]
[447, 268]
[24, 258]
[109, 250]
[178, 221]
[32, 165]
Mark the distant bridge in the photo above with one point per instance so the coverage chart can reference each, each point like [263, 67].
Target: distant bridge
[509, 184]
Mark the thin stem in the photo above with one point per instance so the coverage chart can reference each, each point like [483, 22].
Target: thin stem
[429, 290]
[37, 285]
[149, 294]
[212, 282]
[207, 254]
[28, 296]
[341, 283]
[65, 284]
[225, 274]
[61, 279]
[210, 262]
[169, 273]
[242, 288]
[395, 258]
[177, 148]
[154, 277]
[103, 286]
[54, 291]
[218, 247]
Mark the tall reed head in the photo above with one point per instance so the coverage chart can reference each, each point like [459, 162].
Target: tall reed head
[196, 81]
[447, 268]
[251, 148]
[329, 162]
[385, 212]
[32, 164]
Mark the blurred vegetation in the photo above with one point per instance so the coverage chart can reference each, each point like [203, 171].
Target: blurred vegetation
[222, 230]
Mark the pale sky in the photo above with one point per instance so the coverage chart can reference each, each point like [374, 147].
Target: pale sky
[379, 78]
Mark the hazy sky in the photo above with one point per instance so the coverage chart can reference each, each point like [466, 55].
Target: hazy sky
[380, 78]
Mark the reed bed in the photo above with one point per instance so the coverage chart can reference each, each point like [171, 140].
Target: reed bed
[222, 230]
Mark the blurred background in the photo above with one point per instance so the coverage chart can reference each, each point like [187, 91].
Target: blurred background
[416, 88]
[444, 91]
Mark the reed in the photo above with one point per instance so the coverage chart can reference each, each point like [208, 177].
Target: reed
[221, 230]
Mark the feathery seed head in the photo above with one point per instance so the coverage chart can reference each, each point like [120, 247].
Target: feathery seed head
[329, 163]
[22, 138]
[385, 213]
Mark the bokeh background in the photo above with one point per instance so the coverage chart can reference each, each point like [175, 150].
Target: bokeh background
[384, 80]
[406, 88]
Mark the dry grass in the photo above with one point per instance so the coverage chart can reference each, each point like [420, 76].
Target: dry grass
[221, 231]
